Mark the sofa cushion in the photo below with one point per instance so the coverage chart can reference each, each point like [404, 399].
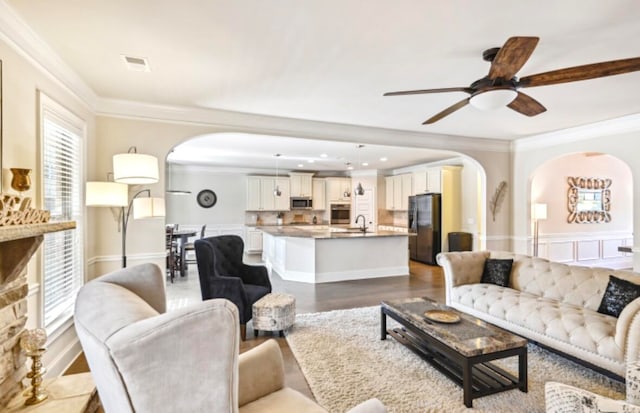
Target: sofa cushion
[497, 271]
[618, 294]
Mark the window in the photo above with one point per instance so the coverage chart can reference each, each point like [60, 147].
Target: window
[63, 268]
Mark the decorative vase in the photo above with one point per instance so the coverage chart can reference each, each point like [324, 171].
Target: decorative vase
[21, 181]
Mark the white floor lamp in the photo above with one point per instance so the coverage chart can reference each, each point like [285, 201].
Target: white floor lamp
[539, 213]
[129, 169]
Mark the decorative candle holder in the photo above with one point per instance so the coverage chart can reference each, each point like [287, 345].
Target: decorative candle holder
[32, 342]
[21, 181]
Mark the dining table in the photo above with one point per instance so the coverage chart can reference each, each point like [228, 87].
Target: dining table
[182, 236]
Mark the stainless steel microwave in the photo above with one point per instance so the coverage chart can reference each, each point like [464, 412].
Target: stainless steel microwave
[301, 203]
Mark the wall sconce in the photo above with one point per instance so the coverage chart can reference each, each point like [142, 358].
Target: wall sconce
[539, 213]
[134, 168]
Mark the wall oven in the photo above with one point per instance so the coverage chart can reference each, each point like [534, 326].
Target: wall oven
[340, 213]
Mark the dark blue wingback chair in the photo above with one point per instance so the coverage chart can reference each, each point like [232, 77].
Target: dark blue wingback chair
[224, 275]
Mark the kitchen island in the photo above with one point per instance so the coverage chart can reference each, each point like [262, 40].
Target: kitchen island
[319, 255]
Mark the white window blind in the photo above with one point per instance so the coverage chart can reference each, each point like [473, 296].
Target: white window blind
[62, 188]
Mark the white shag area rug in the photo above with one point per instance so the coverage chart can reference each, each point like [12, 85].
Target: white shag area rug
[345, 363]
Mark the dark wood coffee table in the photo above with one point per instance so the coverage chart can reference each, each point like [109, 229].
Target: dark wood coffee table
[462, 351]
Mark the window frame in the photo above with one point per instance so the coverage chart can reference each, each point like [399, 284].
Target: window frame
[52, 110]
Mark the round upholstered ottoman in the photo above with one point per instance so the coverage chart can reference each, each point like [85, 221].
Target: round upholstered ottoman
[274, 312]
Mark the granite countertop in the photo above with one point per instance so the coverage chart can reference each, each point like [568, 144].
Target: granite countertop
[324, 233]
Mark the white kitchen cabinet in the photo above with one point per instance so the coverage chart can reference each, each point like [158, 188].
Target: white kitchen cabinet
[301, 184]
[260, 195]
[434, 179]
[389, 187]
[419, 183]
[398, 190]
[319, 193]
[254, 194]
[429, 180]
[339, 189]
[254, 240]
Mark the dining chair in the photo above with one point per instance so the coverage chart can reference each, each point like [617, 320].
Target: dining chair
[190, 249]
[172, 254]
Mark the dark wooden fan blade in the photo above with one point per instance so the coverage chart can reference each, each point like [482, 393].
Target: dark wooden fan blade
[512, 56]
[419, 92]
[448, 111]
[526, 105]
[585, 72]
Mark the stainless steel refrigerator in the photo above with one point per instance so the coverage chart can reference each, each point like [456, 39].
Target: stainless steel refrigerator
[424, 221]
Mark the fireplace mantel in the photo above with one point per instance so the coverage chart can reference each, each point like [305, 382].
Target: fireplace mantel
[18, 243]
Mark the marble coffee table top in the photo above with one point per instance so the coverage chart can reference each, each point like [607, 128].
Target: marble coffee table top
[470, 336]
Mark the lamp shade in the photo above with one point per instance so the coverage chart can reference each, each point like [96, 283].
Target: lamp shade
[539, 211]
[106, 194]
[135, 168]
[148, 208]
[493, 98]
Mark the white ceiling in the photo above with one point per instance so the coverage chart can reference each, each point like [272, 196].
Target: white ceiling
[331, 60]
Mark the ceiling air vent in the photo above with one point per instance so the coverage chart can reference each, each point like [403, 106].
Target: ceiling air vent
[136, 64]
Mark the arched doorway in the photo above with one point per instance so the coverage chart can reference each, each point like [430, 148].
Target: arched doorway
[599, 188]
[253, 154]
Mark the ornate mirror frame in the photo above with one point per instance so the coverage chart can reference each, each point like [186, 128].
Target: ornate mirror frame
[588, 200]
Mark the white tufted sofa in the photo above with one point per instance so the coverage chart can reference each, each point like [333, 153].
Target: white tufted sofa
[550, 303]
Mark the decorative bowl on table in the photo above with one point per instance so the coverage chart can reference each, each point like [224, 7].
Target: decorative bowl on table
[442, 316]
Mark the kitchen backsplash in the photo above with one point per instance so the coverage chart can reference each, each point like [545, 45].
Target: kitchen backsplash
[288, 217]
[394, 218]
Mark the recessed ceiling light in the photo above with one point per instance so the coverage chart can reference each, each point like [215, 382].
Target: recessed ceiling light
[350, 167]
[365, 163]
[323, 155]
[310, 161]
[300, 165]
[136, 64]
[383, 159]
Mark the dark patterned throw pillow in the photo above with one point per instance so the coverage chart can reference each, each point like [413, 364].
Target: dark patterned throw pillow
[618, 294]
[497, 271]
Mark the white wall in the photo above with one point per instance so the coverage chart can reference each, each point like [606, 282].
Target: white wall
[230, 189]
[471, 210]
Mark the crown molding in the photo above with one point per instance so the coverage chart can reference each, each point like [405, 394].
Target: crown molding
[616, 126]
[20, 37]
[300, 128]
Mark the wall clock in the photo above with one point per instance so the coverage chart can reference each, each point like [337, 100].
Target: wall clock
[206, 198]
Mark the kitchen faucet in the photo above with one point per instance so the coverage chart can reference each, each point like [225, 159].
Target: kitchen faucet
[362, 228]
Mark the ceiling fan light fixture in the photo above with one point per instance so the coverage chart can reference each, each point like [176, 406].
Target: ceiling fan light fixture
[493, 98]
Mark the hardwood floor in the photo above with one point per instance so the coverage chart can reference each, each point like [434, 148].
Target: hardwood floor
[424, 280]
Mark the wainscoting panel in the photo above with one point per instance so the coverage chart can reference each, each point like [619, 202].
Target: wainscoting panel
[559, 251]
[610, 248]
[588, 250]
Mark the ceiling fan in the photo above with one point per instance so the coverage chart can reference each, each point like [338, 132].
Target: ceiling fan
[501, 87]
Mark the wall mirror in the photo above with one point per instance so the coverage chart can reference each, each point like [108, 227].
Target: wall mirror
[588, 200]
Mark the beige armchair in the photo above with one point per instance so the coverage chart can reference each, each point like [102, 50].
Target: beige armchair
[144, 359]
[562, 398]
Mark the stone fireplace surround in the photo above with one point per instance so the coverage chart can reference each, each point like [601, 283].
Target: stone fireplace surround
[18, 243]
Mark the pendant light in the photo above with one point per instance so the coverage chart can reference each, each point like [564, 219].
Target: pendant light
[276, 190]
[359, 190]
